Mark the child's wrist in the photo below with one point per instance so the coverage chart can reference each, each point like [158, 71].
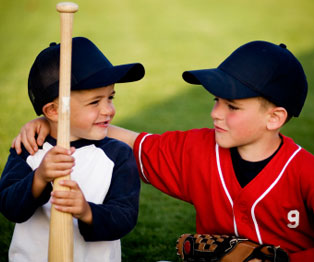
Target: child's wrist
[88, 217]
[39, 180]
[38, 185]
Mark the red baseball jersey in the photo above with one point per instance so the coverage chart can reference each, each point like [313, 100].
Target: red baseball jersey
[276, 207]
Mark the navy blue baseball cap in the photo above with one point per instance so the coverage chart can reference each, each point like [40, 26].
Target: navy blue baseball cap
[255, 69]
[90, 69]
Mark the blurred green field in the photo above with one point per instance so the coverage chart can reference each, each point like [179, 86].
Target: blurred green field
[168, 37]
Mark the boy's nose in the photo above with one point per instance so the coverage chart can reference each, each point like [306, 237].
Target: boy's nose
[216, 112]
[107, 109]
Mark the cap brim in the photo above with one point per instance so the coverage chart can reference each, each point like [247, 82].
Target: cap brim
[219, 83]
[108, 76]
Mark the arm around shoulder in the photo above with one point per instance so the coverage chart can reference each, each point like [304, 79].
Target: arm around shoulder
[39, 128]
[122, 134]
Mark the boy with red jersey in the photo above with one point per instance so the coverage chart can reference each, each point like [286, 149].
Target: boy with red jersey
[243, 177]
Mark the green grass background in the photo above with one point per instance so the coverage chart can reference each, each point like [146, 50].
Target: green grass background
[168, 37]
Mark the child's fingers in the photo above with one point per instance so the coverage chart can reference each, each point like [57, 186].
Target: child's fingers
[58, 165]
[66, 201]
[64, 209]
[63, 154]
[70, 184]
[60, 173]
[22, 139]
[63, 204]
[28, 139]
[72, 197]
[74, 210]
[72, 201]
[72, 149]
[62, 198]
[16, 143]
[62, 150]
[42, 134]
[57, 162]
[60, 155]
[51, 175]
[60, 162]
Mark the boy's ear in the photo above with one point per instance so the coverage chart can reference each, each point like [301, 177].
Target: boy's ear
[278, 117]
[50, 111]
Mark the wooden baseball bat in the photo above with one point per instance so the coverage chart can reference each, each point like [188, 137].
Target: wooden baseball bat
[61, 224]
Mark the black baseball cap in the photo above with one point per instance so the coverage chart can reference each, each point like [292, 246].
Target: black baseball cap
[90, 69]
[258, 68]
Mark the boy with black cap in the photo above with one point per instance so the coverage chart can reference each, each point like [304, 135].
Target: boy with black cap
[104, 190]
[243, 177]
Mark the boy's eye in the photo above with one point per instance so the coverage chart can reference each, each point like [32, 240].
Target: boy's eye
[94, 102]
[232, 107]
[111, 97]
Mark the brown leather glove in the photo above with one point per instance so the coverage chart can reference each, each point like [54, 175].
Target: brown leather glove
[209, 248]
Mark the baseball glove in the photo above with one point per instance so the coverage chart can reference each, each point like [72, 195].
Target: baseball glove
[209, 248]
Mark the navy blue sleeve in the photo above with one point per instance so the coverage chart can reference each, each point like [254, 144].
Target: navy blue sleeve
[118, 214]
[16, 199]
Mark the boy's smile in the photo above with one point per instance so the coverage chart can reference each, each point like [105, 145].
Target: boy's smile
[91, 113]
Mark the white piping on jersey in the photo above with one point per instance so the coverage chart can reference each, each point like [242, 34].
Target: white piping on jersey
[259, 199]
[225, 188]
[267, 191]
[139, 156]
